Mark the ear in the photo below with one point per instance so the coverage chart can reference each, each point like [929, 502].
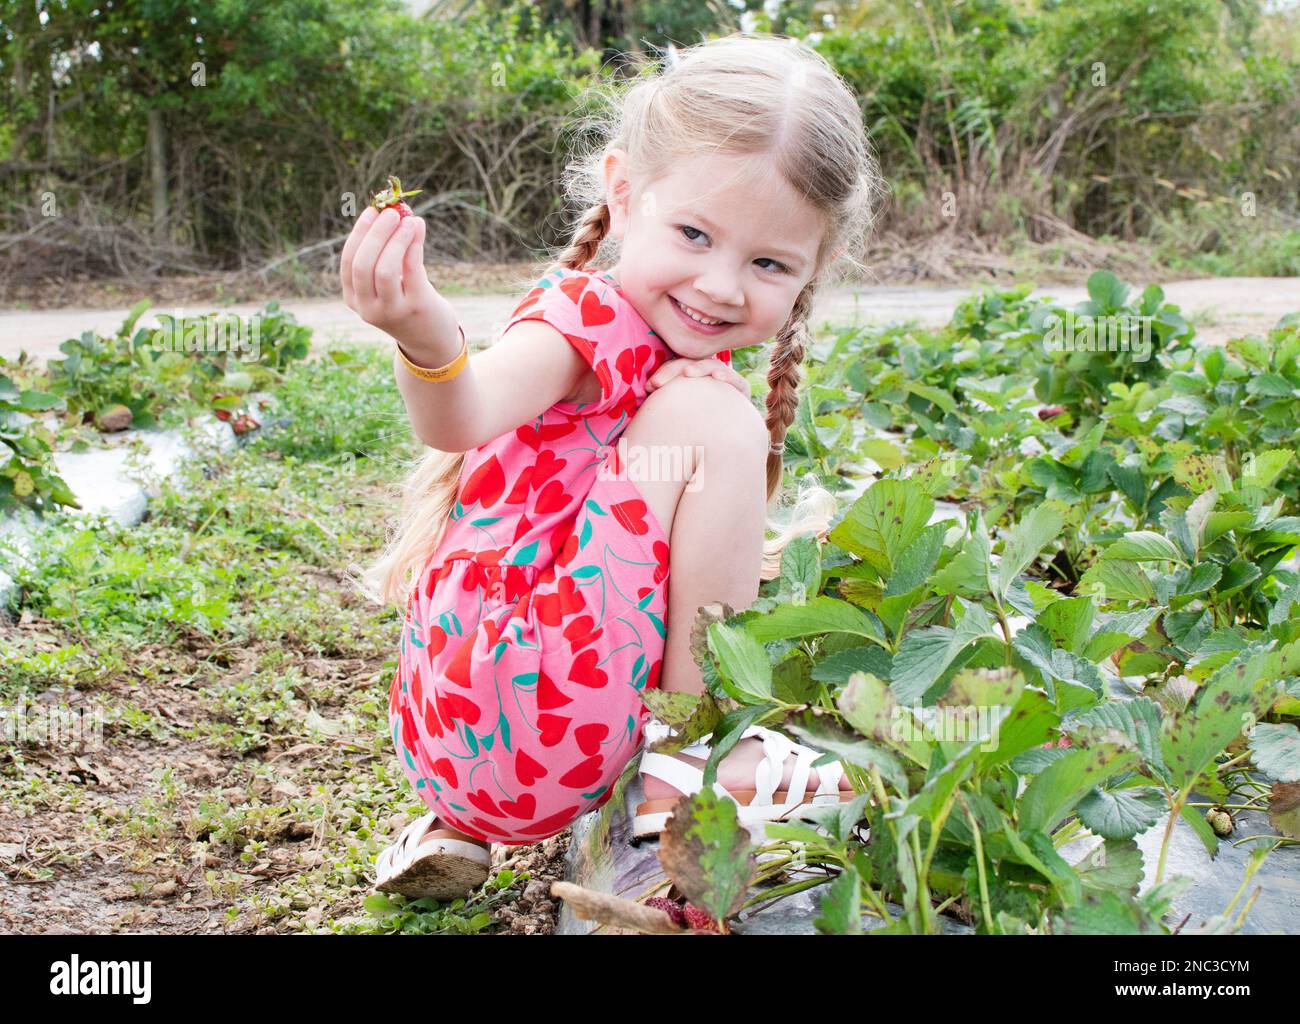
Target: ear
[618, 190]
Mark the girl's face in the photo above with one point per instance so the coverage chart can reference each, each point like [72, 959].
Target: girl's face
[722, 235]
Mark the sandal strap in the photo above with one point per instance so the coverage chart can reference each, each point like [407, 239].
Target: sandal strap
[683, 777]
[408, 842]
[686, 778]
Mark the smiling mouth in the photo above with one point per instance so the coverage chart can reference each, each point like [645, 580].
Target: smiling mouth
[699, 317]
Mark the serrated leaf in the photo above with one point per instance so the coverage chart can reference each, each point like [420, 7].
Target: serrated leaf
[822, 614]
[708, 854]
[1121, 813]
[925, 654]
[1276, 750]
[1054, 792]
[1141, 546]
[1026, 540]
[841, 905]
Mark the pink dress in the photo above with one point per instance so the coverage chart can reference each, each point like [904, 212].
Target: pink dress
[539, 619]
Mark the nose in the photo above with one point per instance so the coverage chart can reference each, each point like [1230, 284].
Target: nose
[721, 287]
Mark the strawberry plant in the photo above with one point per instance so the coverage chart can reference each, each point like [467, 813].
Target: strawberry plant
[26, 474]
[1114, 609]
[393, 196]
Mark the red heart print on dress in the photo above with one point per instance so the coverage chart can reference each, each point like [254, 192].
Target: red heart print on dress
[485, 484]
[452, 706]
[457, 670]
[535, 436]
[443, 768]
[589, 736]
[553, 728]
[594, 312]
[524, 807]
[574, 286]
[551, 824]
[552, 498]
[661, 554]
[410, 738]
[417, 688]
[432, 723]
[482, 799]
[546, 466]
[520, 490]
[528, 771]
[528, 300]
[586, 672]
[553, 608]
[579, 632]
[630, 362]
[584, 774]
[631, 514]
[549, 696]
[605, 377]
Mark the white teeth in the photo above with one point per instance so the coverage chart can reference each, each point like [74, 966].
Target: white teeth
[695, 316]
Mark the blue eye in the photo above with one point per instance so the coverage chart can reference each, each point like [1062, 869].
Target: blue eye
[779, 267]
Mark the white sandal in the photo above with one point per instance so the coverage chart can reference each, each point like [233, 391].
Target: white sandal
[754, 807]
[427, 861]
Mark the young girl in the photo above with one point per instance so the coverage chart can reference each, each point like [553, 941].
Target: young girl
[535, 554]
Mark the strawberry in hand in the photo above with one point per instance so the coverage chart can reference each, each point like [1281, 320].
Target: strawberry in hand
[392, 196]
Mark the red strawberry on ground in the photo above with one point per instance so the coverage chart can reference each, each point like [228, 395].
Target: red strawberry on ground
[392, 196]
[698, 919]
[668, 907]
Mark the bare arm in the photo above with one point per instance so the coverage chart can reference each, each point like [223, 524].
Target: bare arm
[531, 368]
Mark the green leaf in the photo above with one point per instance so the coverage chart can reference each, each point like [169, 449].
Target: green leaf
[1264, 469]
[1227, 706]
[1112, 866]
[969, 574]
[822, 614]
[841, 905]
[1028, 727]
[925, 654]
[881, 525]
[744, 663]
[1106, 290]
[801, 572]
[1138, 719]
[917, 562]
[1121, 813]
[708, 854]
[1141, 546]
[1026, 540]
[1277, 750]
[1068, 622]
[1054, 792]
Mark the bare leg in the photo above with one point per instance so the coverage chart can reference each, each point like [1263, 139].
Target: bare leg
[714, 514]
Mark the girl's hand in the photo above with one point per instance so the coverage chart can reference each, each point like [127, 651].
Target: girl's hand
[710, 367]
[384, 282]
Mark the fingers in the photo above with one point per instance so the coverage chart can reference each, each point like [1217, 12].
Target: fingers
[388, 268]
[686, 367]
[350, 248]
[367, 255]
[413, 272]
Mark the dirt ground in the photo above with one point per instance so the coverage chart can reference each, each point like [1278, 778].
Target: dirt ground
[143, 833]
[1221, 308]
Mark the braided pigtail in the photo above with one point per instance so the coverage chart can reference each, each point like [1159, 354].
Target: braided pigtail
[814, 506]
[590, 232]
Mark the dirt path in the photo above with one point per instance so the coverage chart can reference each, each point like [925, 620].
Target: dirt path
[1221, 308]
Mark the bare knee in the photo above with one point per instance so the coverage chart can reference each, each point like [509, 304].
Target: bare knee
[705, 412]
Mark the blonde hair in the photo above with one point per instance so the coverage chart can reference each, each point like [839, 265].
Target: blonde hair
[745, 95]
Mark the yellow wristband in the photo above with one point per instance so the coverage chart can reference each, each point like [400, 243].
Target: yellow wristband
[442, 372]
